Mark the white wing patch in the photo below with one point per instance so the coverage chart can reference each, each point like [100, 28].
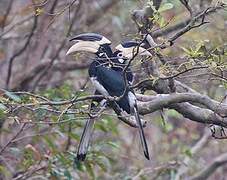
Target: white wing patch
[99, 87]
[104, 40]
[132, 99]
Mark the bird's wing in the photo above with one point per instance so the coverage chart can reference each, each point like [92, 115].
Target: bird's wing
[111, 80]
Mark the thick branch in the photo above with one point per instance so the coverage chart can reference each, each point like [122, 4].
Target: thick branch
[199, 114]
[189, 111]
[166, 100]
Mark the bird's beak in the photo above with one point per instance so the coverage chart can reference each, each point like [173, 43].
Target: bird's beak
[131, 51]
[88, 42]
[87, 46]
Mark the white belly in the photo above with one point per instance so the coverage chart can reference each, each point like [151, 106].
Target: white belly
[99, 87]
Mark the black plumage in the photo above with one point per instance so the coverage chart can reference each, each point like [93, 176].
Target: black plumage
[106, 74]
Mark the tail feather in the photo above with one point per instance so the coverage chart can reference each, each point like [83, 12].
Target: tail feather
[141, 132]
[84, 141]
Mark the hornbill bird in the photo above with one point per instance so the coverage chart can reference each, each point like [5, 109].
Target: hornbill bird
[108, 79]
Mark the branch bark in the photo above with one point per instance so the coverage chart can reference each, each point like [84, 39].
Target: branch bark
[189, 111]
[166, 100]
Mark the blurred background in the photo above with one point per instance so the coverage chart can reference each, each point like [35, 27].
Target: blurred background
[40, 143]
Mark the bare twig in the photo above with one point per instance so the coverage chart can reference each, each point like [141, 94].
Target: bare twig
[156, 171]
[41, 76]
[18, 53]
[182, 72]
[7, 14]
[195, 149]
[210, 169]
[28, 77]
[30, 171]
[19, 23]
[124, 118]
[13, 138]
[192, 22]
[187, 6]
[185, 23]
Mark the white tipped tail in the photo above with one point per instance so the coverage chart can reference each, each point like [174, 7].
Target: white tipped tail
[85, 139]
[141, 133]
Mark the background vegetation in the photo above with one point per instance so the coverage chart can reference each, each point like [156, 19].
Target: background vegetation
[182, 90]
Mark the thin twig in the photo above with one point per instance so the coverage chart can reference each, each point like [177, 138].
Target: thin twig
[41, 76]
[6, 14]
[13, 138]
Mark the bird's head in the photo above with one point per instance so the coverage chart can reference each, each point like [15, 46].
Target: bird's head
[91, 42]
[128, 49]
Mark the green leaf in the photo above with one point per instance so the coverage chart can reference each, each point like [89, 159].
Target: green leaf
[162, 22]
[50, 143]
[173, 113]
[2, 115]
[198, 46]
[188, 152]
[172, 174]
[186, 50]
[74, 136]
[2, 107]
[101, 127]
[165, 7]
[15, 151]
[4, 171]
[168, 127]
[13, 96]
[67, 175]
[103, 162]
[28, 158]
[63, 159]
[39, 11]
[90, 171]
[113, 144]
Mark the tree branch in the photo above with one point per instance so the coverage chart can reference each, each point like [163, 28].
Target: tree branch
[208, 171]
[13, 138]
[22, 83]
[164, 100]
[195, 149]
[189, 111]
[18, 53]
[185, 23]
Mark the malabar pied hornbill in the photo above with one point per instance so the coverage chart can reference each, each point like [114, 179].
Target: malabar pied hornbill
[108, 79]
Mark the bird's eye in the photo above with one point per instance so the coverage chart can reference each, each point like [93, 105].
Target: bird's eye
[120, 55]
